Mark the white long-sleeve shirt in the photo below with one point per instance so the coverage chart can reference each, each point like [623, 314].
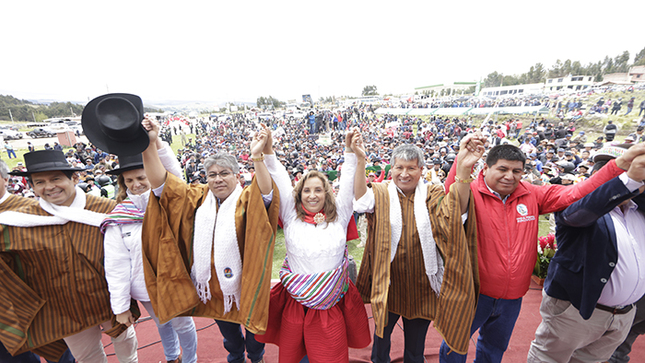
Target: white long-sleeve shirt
[626, 284]
[314, 248]
[122, 244]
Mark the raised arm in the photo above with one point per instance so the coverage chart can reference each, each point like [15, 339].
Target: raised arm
[606, 197]
[261, 173]
[471, 150]
[282, 181]
[345, 197]
[554, 198]
[360, 187]
[151, 163]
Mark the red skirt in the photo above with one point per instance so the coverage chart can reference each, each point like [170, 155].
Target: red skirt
[322, 335]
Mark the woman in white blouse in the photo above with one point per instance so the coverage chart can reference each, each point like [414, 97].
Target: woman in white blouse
[123, 260]
[315, 310]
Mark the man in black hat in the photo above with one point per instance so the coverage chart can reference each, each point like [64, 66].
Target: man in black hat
[60, 281]
[27, 357]
[583, 171]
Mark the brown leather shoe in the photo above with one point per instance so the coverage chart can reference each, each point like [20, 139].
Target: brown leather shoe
[178, 360]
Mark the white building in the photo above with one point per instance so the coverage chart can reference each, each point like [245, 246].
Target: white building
[516, 90]
[568, 83]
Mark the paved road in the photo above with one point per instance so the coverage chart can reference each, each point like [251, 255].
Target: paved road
[39, 143]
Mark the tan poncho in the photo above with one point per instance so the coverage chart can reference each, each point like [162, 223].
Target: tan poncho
[52, 281]
[167, 254]
[402, 286]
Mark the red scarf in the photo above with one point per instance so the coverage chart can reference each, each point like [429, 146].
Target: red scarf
[309, 217]
[352, 231]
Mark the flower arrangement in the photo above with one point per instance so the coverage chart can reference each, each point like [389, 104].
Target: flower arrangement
[546, 250]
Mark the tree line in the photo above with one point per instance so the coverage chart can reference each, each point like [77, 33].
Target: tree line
[269, 103]
[538, 74]
[23, 110]
[27, 111]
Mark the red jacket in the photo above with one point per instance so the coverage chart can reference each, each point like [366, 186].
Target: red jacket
[507, 233]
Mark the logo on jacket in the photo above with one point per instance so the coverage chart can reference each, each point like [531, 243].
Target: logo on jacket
[524, 211]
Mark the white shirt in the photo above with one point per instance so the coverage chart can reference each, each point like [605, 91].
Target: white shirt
[627, 282]
[122, 245]
[314, 248]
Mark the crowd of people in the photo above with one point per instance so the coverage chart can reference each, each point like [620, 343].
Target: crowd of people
[447, 211]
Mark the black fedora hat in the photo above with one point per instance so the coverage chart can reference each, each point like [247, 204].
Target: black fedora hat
[127, 163]
[113, 123]
[45, 160]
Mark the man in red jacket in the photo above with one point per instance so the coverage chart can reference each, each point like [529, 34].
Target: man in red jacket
[507, 212]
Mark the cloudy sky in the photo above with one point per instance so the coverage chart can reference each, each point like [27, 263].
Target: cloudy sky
[216, 51]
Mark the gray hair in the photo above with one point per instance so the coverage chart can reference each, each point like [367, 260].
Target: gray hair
[4, 170]
[408, 152]
[222, 160]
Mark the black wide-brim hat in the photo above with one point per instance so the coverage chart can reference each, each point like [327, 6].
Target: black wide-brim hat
[45, 160]
[112, 122]
[127, 163]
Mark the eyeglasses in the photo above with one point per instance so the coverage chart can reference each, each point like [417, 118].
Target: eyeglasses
[223, 174]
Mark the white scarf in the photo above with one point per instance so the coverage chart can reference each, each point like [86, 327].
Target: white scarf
[76, 212]
[432, 260]
[139, 200]
[216, 228]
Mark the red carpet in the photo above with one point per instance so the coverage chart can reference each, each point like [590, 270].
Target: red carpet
[210, 348]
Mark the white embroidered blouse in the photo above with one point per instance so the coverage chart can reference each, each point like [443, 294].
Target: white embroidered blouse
[314, 248]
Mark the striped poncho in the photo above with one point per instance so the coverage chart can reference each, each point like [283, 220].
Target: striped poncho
[124, 213]
[318, 291]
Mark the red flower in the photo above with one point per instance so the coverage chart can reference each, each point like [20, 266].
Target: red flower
[550, 237]
[544, 243]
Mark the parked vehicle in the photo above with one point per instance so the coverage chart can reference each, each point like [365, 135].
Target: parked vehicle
[40, 132]
[9, 134]
[76, 127]
[297, 115]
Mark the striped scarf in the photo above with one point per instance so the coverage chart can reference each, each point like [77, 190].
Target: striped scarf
[319, 291]
[124, 213]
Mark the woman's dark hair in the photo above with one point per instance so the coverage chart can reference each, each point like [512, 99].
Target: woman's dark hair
[505, 152]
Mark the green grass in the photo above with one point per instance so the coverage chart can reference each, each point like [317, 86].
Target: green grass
[11, 163]
[176, 142]
[543, 227]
